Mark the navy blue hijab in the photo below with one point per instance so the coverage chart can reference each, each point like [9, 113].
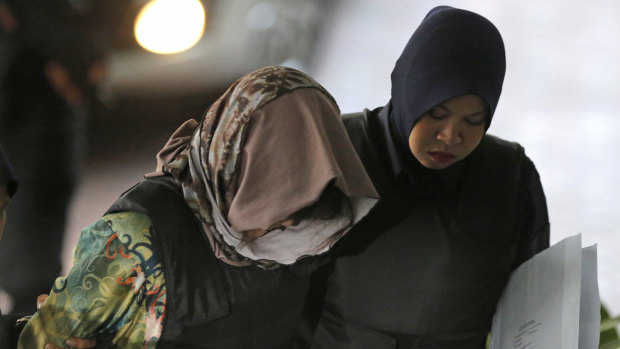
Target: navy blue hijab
[7, 177]
[453, 52]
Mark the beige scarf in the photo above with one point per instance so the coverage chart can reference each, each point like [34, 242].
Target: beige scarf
[264, 150]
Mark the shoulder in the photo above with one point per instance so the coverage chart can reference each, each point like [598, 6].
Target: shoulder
[493, 149]
[129, 231]
[119, 222]
[128, 223]
[502, 158]
[496, 145]
[134, 232]
[355, 121]
[358, 126]
[360, 117]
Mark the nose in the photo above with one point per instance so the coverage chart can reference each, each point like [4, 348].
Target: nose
[450, 133]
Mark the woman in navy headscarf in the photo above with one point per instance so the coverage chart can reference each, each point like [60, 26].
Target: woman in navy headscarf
[460, 209]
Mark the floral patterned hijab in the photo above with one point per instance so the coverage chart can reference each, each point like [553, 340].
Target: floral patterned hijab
[264, 150]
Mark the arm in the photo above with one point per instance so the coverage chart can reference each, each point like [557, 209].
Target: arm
[105, 296]
[71, 342]
[534, 232]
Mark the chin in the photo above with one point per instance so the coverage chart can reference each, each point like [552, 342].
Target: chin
[438, 167]
[433, 165]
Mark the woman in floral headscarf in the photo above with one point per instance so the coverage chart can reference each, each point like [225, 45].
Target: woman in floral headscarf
[212, 249]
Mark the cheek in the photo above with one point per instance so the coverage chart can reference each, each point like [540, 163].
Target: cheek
[414, 143]
[419, 144]
[473, 138]
[419, 137]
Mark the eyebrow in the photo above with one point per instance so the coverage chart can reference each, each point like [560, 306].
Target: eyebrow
[466, 116]
[484, 113]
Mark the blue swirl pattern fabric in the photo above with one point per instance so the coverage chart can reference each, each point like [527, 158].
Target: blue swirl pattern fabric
[115, 290]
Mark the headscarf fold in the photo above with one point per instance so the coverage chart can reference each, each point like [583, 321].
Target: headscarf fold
[453, 52]
[264, 150]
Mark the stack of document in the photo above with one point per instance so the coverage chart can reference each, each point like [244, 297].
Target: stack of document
[551, 301]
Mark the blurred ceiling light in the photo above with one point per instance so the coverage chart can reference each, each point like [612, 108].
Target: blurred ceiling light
[170, 26]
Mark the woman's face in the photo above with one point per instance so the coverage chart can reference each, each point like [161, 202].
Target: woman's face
[449, 131]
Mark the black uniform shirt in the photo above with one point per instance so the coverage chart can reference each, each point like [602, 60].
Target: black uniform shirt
[426, 268]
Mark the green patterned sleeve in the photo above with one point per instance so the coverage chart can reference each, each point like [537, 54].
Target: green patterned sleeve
[114, 291]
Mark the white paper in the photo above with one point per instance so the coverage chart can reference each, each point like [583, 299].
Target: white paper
[541, 304]
[590, 312]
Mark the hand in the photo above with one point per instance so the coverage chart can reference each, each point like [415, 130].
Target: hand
[41, 299]
[72, 342]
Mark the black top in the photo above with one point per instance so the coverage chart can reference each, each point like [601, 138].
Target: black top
[426, 268]
[210, 304]
[7, 177]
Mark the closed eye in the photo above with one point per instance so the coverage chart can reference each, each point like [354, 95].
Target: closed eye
[476, 121]
[435, 116]
[437, 113]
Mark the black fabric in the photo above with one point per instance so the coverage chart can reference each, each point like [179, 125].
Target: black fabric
[10, 329]
[7, 177]
[453, 52]
[428, 270]
[211, 304]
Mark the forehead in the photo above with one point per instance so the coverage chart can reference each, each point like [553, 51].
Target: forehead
[468, 102]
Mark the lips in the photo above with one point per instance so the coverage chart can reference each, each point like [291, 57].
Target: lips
[442, 156]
